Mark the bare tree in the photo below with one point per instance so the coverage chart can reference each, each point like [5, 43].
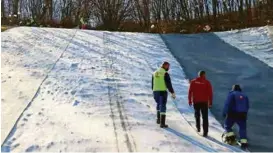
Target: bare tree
[110, 13]
[15, 6]
[143, 12]
[3, 9]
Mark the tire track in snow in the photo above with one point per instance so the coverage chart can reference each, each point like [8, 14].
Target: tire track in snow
[122, 116]
[13, 129]
[104, 39]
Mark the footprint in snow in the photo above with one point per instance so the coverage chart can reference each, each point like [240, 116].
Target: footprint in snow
[73, 92]
[15, 146]
[50, 145]
[74, 65]
[32, 148]
[48, 82]
[25, 119]
[76, 103]
[155, 148]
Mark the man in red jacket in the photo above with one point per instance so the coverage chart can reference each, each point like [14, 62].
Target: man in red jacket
[200, 95]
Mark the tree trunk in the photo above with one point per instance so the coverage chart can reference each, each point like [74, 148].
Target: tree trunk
[3, 14]
[15, 7]
[214, 10]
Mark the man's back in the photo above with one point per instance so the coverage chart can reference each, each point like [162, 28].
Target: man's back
[200, 90]
[238, 102]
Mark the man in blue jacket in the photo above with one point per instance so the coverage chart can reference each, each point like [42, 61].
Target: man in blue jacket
[235, 111]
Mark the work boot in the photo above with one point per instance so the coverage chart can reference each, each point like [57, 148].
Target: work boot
[158, 117]
[244, 146]
[162, 121]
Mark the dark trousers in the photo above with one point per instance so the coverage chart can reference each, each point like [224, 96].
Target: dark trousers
[203, 108]
[161, 101]
[240, 120]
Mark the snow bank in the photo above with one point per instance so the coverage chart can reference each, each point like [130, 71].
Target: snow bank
[253, 41]
[97, 97]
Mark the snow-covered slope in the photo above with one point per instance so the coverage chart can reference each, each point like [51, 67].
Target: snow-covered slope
[27, 55]
[95, 96]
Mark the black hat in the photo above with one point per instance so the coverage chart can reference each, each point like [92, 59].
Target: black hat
[236, 87]
[165, 63]
[201, 73]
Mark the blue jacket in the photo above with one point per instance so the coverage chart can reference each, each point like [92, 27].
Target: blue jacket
[236, 102]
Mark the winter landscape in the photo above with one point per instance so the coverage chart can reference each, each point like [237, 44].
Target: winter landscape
[68, 90]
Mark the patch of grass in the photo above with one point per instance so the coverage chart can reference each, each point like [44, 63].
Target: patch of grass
[4, 28]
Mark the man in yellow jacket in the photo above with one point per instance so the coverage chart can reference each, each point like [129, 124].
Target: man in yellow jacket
[161, 82]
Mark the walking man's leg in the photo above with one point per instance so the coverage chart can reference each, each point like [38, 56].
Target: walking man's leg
[156, 98]
[163, 102]
[242, 132]
[197, 116]
[204, 111]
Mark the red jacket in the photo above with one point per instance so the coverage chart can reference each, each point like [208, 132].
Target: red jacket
[200, 91]
[84, 26]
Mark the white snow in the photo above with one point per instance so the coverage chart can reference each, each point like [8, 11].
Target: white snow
[270, 30]
[253, 41]
[96, 98]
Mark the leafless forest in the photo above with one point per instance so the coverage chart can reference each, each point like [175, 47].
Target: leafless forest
[163, 16]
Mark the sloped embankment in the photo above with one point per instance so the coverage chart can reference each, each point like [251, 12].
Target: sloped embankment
[236, 57]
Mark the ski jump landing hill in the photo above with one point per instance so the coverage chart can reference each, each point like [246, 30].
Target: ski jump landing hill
[77, 90]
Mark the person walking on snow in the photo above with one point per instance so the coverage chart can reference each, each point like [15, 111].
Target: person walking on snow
[161, 81]
[200, 95]
[235, 111]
